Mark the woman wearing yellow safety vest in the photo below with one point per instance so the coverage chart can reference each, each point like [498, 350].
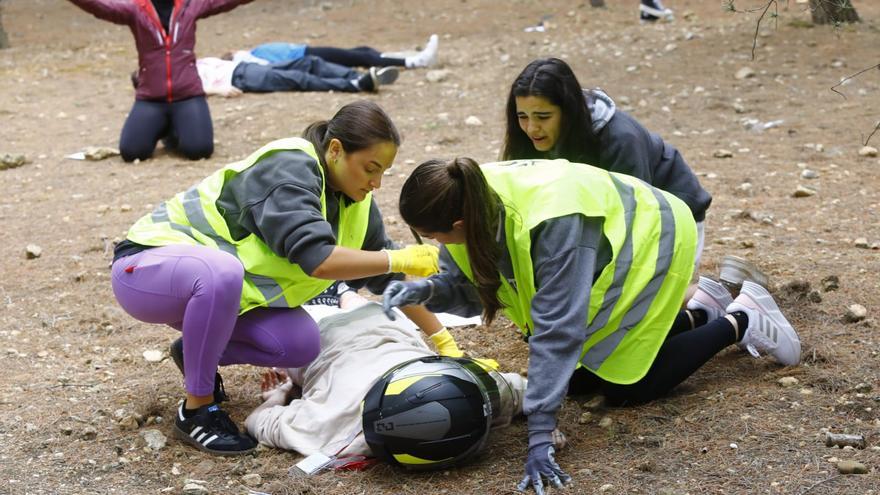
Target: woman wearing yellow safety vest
[592, 266]
[230, 261]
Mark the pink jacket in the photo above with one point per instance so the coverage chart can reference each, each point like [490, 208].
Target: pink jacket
[166, 61]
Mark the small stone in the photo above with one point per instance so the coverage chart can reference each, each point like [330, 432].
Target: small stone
[734, 446]
[855, 313]
[722, 153]
[154, 439]
[869, 151]
[437, 75]
[851, 467]
[585, 418]
[814, 297]
[863, 388]
[806, 391]
[129, 422]
[192, 488]
[473, 120]
[830, 283]
[88, 433]
[809, 174]
[594, 404]
[203, 468]
[154, 355]
[861, 243]
[95, 153]
[252, 480]
[787, 381]
[607, 487]
[739, 108]
[32, 251]
[12, 160]
[803, 192]
[606, 422]
[744, 73]
[125, 208]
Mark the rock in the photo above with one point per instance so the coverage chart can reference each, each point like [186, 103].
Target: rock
[585, 418]
[153, 355]
[862, 243]
[809, 174]
[851, 467]
[154, 439]
[473, 120]
[252, 480]
[855, 313]
[606, 422]
[437, 75]
[128, 422]
[739, 108]
[607, 487]
[803, 192]
[744, 73]
[863, 388]
[32, 251]
[88, 433]
[814, 297]
[869, 151]
[830, 283]
[787, 381]
[15, 160]
[594, 404]
[95, 153]
[203, 468]
[192, 488]
[722, 153]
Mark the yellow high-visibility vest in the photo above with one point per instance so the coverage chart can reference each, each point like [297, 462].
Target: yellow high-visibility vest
[637, 296]
[191, 217]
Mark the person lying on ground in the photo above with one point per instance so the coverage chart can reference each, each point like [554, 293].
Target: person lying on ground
[361, 56]
[234, 77]
[359, 345]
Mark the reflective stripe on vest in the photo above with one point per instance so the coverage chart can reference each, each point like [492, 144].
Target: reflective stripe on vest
[637, 295]
[192, 217]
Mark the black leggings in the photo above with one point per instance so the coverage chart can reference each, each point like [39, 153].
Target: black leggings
[683, 353]
[185, 123]
[362, 56]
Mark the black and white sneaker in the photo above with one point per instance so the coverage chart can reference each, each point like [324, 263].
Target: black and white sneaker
[176, 352]
[210, 430]
[332, 295]
[653, 10]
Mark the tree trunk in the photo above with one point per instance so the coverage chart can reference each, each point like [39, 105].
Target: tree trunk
[4, 41]
[833, 11]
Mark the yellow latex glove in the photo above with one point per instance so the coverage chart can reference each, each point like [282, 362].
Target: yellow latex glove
[420, 260]
[445, 344]
[487, 364]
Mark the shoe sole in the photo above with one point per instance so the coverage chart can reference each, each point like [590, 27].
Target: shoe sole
[736, 270]
[387, 75]
[182, 435]
[765, 303]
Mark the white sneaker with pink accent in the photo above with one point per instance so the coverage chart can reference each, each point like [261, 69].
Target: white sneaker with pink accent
[768, 331]
[711, 297]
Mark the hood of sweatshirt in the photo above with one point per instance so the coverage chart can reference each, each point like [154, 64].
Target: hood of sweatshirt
[601, 108]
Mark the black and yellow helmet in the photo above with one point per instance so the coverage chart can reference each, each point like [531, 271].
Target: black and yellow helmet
[430, 412]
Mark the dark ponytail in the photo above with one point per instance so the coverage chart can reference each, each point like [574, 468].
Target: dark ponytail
[439, 193]
[357, 126]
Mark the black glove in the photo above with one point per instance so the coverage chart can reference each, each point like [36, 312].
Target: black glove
[541, 464]
[404, 294]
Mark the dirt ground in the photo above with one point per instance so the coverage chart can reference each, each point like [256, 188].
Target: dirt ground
[75, 377]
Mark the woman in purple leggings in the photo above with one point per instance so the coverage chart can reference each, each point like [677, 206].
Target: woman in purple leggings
[230, 261]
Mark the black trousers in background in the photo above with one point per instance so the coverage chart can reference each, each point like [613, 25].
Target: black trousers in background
[683, 353]
[186, 124]
[361, 56]
[309, 73]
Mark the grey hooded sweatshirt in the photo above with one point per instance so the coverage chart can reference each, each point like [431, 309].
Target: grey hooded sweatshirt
[625, 146]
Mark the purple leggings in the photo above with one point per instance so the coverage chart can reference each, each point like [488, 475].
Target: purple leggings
[196, 289]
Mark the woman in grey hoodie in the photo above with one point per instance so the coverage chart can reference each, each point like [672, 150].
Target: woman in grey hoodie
[550, 116]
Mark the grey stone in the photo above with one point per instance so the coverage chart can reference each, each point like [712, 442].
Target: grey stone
[744, 73]
[154, 439]
[855, 313]
[851, 467]
[252, 480]
[32, 251]
[803, 192]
